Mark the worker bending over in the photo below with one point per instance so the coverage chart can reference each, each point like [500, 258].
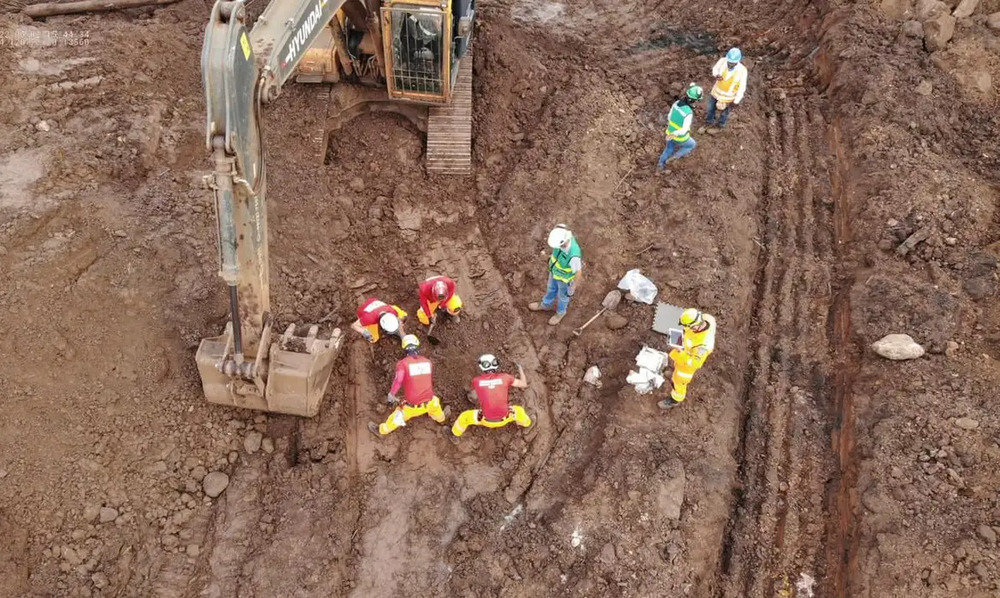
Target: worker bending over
[492, 389]
[697, 344]
[565, 265]
[373, 315]
[679, 140]
[416, 375]
[435, 292]
[730, 85]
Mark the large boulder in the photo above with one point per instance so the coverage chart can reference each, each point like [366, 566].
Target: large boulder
[938, 31]
[897, 347]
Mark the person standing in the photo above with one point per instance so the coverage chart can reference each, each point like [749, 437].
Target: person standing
[730, 85]
[492, 390]
[697, 343]
[565, 265]
[679, 140]
[415, 374]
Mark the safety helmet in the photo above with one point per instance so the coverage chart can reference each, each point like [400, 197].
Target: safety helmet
[559, 236]
[456, 305]
[389, 323]
[734, 55]
[694, 92]
[691, 317]
[440, 290]
[489, 362]
[410, 343]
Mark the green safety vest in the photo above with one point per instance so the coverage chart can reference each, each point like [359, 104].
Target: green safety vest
[559, 262]
[678, 113]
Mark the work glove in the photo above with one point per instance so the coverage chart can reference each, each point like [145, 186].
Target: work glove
[368, 335]
[391, 399]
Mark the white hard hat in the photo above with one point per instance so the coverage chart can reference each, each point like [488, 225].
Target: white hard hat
[389, 323]
[559, 236]
[489, 362]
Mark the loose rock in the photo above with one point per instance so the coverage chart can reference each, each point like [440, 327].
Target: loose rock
[193, 550]
[993, 21]
[928, 9]
[267, 445]
[215, 483]
[108, 514]
[913, 29]
[91, 512]
[938, 32]
[925, 87]
[966, 423]
[897, 347]
[986, 533]
[357, 184]
[965, 9]
[616, 321]
[253, 441]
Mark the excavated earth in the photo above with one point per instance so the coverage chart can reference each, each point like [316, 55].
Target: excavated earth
[802, 464]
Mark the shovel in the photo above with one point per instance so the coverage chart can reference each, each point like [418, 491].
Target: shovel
[430, 337]
[611, 301]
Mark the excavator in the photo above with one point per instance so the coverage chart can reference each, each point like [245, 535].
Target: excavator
[410, 57]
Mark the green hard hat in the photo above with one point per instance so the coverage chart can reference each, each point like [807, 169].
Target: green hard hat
[694, 92]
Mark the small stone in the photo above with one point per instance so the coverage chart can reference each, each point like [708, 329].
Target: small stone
[616, 321]
[169, 540]
[897, 347]
[938, 31]
[607, 555]
[965, 9]
[357, 184]
[100, 580]
[253, 441]
[120, 234]
[71, 556]
[913, 29]
[233, 456]
[91, 512]
[108, 514]
[215, 483]
[951, 348]
[950, 241]
[43, 126]
[981, 570]
[986, 533]
[199, 473]
[267, 445]
[885, 245]
[193, 550]
[925, 88]
[966, 423]
[896, 472]
[993, 21]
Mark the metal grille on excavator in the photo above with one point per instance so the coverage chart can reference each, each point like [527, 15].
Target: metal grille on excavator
[449, 128]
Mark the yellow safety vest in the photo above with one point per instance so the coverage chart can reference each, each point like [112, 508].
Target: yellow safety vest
[725, 88]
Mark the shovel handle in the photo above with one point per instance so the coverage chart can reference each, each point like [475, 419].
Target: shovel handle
[579, 330]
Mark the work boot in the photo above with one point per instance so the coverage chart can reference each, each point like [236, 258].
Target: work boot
[447, 413]
[537, 306]
[667, 404]
[703, 128]
[373, 428]
[454, 439]
[714, 130]
[556, 319]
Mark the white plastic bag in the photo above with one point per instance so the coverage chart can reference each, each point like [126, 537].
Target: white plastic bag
[641, 287]
[593, 376]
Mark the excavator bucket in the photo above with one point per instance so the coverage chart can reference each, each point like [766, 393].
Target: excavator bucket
[297, 372]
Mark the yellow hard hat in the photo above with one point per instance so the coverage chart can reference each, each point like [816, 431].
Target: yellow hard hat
[691, 317]
[410, 341]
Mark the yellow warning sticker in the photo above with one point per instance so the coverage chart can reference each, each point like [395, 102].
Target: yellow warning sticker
[245, 44]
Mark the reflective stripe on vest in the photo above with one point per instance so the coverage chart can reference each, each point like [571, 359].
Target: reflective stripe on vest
[678, 113]
[725, 88]
[559, 262]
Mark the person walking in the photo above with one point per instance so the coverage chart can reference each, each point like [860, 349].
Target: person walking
[679, 140]
[565, 265]
[730, 85]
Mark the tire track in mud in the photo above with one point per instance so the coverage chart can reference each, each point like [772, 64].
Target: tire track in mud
[776, 528]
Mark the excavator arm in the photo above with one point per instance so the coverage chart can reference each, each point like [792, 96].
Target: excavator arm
[243, 367]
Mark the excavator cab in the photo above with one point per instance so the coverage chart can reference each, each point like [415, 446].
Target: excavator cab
[424, 41]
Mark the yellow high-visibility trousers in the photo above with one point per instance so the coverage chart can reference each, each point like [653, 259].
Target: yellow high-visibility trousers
[405, 413]
[450, 306]
[680, 380]
[473, 417]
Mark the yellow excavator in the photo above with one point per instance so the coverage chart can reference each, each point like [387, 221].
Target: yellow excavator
[410, 57]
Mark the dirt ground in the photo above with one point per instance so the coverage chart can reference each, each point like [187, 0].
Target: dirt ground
[802, 464]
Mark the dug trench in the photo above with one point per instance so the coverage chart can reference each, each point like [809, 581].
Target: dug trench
[765, 482]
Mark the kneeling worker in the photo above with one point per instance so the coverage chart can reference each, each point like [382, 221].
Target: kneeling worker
[435, 292]
[697, 344]
[492, 389]
[416, 375]
[374, 314]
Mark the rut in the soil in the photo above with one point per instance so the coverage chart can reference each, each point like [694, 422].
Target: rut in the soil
[777, 532]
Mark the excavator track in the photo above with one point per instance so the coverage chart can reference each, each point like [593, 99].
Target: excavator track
[449, 128]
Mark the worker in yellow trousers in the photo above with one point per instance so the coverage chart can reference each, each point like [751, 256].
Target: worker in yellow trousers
[697, 343]
[416, 375]
[492, 390]
[438, 291]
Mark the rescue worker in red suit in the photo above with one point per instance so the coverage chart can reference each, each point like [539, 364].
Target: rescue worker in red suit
[435, 292]
[492, 390]
[374, 315]
[415, 375]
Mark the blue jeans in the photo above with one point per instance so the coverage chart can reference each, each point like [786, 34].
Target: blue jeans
[682, 148]
[723, 116]
[557, 290]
